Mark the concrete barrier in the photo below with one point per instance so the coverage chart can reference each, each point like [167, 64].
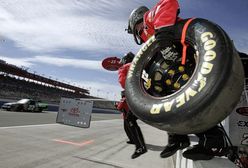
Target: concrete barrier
[214, 163]
[217, 162]
[181, 162]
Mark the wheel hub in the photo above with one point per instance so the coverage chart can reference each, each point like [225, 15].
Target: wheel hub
[163, 77]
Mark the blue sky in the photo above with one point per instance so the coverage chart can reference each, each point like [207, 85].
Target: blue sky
[68, 39]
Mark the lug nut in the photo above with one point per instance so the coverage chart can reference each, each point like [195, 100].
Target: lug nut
[171, 72]
[185, 77]
[168, 82]
[177, 85]
[158, 88]
[181, 68]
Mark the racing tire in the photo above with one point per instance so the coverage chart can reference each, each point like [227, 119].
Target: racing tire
[210, 94]
[20, 108]
[13, 108]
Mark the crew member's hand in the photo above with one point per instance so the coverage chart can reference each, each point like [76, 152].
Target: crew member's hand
[165, 39]
[123, 105]
[127, 58]
[165, 36]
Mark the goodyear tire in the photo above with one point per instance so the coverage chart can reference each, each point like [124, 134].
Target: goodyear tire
[209, 95]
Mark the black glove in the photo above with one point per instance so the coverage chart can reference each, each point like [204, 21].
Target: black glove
[165, 38]
[127, 58]
[123, 94]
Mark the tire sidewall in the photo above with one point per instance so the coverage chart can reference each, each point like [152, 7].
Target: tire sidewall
[188, 106]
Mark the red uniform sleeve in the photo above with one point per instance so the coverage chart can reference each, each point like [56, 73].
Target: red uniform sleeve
[162, 15]
[165, 13]
[122, 73]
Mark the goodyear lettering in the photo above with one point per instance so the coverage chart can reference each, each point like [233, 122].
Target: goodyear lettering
[190, 93]
[156, 108]
[202, 81]
[180, 100]
[209, 45]
[134, 63]
[206, 68]
[209, 55]
[168, 105]
[206, 36]
[199, 83]
[145, 47]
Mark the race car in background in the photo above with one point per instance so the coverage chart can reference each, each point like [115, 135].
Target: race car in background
[25, 105]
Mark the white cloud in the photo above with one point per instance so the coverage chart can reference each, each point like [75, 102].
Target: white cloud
[17, 62]
[50, 25]
[55, 61]
[99, 89]
[62, 62]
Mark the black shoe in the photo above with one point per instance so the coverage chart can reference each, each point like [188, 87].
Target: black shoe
[198, 152]
[139, 152]
[171, 149]
[130, 142]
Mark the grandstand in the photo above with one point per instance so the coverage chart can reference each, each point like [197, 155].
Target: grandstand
[17, 83]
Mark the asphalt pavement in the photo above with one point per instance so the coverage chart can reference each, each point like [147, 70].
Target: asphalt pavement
[35, 140]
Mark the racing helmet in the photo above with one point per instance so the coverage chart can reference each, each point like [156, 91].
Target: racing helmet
[135, 18]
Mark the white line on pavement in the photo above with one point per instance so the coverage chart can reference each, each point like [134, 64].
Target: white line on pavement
[40, 125]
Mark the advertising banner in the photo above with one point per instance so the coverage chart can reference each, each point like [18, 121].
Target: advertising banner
[238, 123]
[75, 112]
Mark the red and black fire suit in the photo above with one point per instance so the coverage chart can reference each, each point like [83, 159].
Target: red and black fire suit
[130, 124]
[163, 16]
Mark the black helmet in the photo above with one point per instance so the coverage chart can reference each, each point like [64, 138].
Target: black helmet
[127, 58]
[135, 18]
